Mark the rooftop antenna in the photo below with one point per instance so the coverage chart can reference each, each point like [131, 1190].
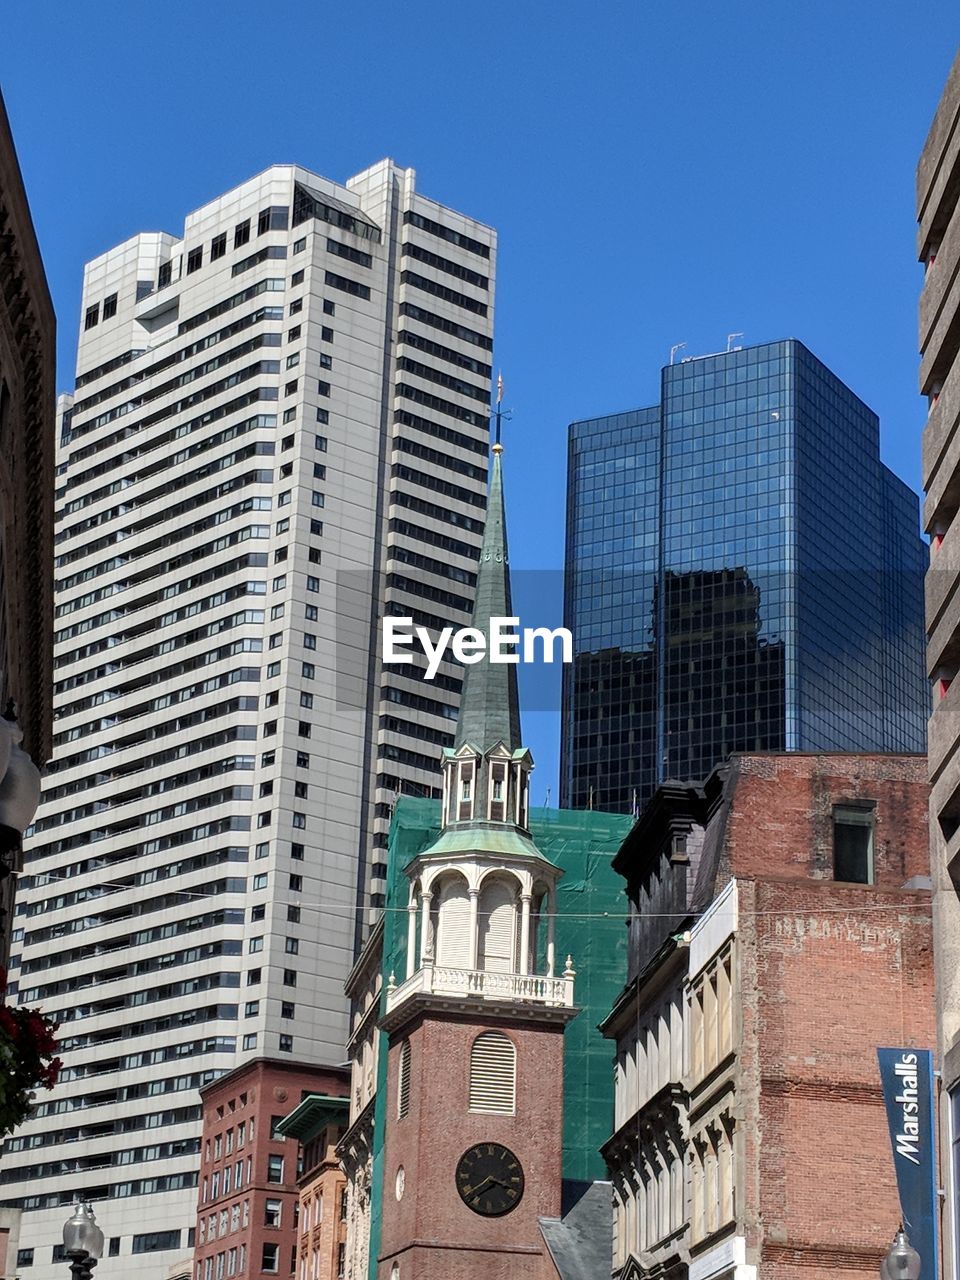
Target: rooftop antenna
[730, 338]
[677, 346]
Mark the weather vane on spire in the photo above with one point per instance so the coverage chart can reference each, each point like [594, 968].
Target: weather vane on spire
[499, 414]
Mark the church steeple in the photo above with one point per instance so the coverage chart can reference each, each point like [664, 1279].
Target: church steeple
[490, 702]
[486, 774]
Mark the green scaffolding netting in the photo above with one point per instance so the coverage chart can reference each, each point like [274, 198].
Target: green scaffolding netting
[590, 927]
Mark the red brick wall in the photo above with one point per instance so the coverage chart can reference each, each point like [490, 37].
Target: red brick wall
[259, 1091]
[436, 1131]
[825, 978]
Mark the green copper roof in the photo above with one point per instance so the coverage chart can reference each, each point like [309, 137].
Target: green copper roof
[490, 702]
[317, 1111]
[499, 839]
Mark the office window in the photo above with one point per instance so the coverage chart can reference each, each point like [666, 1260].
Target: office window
[293, 914]
[283, 525]
[296, 306]
[303, 760]
[306, 700]
[326, 333]
[313, 584]
[91, 316]
[253, 977]
[289, 977]
[241, 233]
[296, 851]
[289, 415]
[275, 218]
[320, 443]
[218, 246]
[308, 670]
[295, 882]
[323, 388]
[290, 388]
[113, 1248]
[314, 555]
[194, 260]
[323, 415]
[274, 1168]
[25, 1256]
[309, 640]
[264, 819]
[269, 727]
[164, 275]
[273, 669]
[319, 471]
[251, 1008]
[272, 1211]
[296, 278]
[853, 844]
[299, 820]
[286, 1043]
[260, 881]
[110, 306]
[317, 499]
[303, 729]
[154, 1241]
[277, 611]
[293, 359]
[270, 1260]
[329, 308]
[310, 612]
[300, 245]
[286, 1009]
[255, 944]
[250, 1041]
[292, 946]
[280, 582]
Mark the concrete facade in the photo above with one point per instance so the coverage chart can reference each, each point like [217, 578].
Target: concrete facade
[278, 434]
[938, 248]
[760, 987]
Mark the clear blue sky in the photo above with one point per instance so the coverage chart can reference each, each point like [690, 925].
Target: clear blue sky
[658, 172]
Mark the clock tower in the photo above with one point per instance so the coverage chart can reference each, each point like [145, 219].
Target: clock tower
[474, 1106]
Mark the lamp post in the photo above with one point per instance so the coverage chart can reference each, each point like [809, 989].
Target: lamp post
[82, 1242]
[902, 1262]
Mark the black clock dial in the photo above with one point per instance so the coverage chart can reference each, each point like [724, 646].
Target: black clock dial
[490, 1179]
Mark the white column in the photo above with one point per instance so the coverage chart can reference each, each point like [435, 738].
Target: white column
[411, 935]
[474, 935]
[426, 948]
[525, 899]
[551, 923]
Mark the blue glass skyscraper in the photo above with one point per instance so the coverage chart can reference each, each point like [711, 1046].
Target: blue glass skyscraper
[742, 573]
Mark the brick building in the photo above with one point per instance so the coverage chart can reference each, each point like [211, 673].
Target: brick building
[318, 1123]
[248, 1194]
[780, 931]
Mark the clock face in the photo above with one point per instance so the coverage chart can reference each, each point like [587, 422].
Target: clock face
[489, 1179]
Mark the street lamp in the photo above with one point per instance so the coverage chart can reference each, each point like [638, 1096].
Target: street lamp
[902, 1262]
[82, 1242]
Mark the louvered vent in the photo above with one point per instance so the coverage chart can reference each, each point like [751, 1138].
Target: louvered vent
[403, 1081]
[493, 1074]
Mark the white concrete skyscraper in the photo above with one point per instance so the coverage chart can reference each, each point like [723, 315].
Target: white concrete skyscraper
[278, 434]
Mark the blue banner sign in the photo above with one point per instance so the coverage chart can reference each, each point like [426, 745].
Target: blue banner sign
[907, 1077]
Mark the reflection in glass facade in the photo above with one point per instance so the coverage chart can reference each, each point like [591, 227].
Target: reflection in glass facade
[743, 574]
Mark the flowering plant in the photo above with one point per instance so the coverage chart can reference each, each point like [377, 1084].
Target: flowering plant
[27, 1048]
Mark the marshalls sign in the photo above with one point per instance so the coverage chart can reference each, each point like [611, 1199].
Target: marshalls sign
[907, 1076]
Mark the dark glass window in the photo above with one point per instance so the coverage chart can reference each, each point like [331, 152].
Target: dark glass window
[218, 246]
[91, 316]
[153, 1241]
[241, 233]
[165, 274]
[194, 260]
[110, 306]
[853, 845]
[276, 218]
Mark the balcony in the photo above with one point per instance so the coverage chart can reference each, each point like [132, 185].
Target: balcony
[527, 989]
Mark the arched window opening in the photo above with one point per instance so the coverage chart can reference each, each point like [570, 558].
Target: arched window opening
[498, 926]
[493, 1074]
[453, 924]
